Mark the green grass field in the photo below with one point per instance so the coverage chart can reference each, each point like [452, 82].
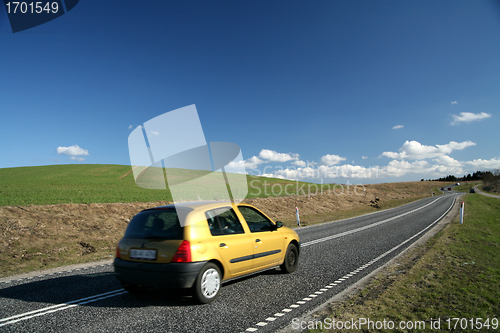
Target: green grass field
[97, 183]
[455, 275]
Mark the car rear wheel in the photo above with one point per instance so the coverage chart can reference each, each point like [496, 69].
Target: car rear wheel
[207, 284]
[291, 259]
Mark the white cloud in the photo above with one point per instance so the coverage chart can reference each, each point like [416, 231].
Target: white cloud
[394, 168]
[480, 164]
[413, 158]
[331, 159]
[438, 167]
[155, 132]
[74, 158]
[447, 161]
[74, 150]
[130, 126]
[271, 175]
[299, 163]
[454, 102]
[414, 150]
[253, 162]
[273, 156]
[398, 126]
[326, 172]
[467, 117]
[400, 168]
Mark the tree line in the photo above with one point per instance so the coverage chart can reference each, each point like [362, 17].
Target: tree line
[485, 176]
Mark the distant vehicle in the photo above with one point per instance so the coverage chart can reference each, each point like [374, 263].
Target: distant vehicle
[472, 190]
[457, 184]
[442, 188]
[449, 188]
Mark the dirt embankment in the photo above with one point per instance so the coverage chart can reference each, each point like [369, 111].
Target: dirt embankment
[37, 237]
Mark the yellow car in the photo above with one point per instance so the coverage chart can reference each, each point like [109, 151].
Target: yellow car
[199, 245]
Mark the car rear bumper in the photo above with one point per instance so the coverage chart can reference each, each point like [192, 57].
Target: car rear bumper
[173, 275]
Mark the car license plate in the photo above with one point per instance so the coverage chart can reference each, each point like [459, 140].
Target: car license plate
[142, 254]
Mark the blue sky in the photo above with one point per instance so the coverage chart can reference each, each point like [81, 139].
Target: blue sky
[365, 91]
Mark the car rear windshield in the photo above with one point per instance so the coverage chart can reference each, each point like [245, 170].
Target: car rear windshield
[155, 224]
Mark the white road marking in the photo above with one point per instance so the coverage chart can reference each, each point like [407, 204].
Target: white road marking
[59, 307]
[365, 227]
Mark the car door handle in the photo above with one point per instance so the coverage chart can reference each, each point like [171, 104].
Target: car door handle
[222, 245]
[257, 240]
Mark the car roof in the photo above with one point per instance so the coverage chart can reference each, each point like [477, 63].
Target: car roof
[196, 205]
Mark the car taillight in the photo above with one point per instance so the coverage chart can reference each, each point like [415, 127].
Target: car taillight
[183, 253]
[117, 251]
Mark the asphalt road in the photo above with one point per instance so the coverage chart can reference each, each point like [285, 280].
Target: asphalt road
[333, 257]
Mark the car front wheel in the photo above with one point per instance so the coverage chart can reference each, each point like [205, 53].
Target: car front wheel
[207, 284]
[291, 259]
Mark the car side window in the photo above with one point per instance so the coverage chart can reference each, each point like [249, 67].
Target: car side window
[223, 221]
[256, 221]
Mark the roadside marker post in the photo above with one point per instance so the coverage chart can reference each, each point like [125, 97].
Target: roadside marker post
[297, 214]
[462, 204]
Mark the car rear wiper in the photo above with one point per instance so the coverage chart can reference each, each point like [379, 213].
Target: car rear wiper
[150, 236]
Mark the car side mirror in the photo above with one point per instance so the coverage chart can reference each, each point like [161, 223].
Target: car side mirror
[279, 224]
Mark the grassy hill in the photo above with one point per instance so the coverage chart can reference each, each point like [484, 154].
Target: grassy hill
[66, 214]
[102, 183]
